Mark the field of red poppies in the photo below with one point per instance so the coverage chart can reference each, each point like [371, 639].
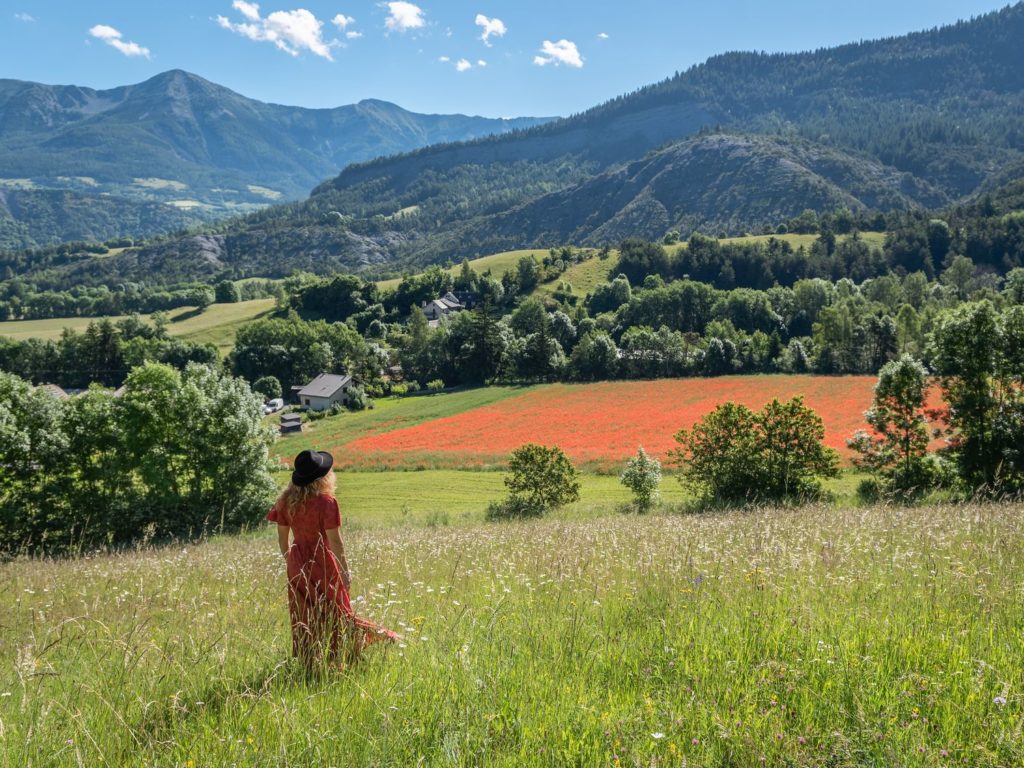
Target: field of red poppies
[599, 425]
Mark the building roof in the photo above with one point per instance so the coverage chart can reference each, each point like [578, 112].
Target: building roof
[53, 389]
[325, 385]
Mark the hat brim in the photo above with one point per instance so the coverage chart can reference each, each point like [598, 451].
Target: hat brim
[306, 479]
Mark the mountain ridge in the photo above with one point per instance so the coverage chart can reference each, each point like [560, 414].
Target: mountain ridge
[179, 137]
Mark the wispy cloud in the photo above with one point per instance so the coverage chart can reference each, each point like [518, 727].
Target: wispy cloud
[491, 27]
[115, 39]
[602, 36]
[403, 16]
[463, 64]
[342, 22]
[22, 16]
[562, 52]
[290, 31]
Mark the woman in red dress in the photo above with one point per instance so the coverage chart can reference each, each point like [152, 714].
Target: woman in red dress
[323, 624]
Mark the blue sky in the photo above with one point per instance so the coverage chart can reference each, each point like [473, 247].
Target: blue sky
[538, 58]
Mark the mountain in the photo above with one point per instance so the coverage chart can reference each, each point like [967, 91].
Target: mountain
[919, 121]
[181, 139]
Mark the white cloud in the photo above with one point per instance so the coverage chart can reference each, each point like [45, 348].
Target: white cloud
[115, 39]
[602, 35]
[403, 16]
[462, 65]
[481, 63]
[562, 52]
[291, 31]
[251, 11]
[353, 35]
[495, 27]
[24, 17]
[444, 59]
[341, 21]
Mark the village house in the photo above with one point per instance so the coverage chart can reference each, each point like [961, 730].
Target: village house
[325, 391]
[451, 302]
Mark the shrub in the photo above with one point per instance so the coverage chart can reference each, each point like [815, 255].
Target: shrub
[268, 386]
[642, 476]
[540, 479]
[736, 455]
[357, 399]
[435, 386]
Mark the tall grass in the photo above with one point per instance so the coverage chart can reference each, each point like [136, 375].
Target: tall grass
[818, 637]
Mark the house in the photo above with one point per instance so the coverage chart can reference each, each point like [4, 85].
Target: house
[54, 391]
[324, 391]
[438, 308]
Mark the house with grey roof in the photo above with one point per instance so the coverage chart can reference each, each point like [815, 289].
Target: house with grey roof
[326, 390]
[438, 308]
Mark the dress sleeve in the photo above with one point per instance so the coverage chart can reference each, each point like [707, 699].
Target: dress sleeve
[278, 515]
[331, 513]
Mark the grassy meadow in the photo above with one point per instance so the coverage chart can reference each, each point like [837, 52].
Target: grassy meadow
[817, 637]
[217, 325]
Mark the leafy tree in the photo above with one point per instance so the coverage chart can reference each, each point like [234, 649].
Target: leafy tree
[639, 258]
[642, 476]
[978, 355]
[268, 386]
[595, 357]
[540, 479]
[897, 451]
[736, 455]
[226, 292]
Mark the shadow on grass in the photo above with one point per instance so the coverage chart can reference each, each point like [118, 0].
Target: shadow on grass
[167, 716]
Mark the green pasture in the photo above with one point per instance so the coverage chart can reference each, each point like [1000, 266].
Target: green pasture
[823, 636]
[217, 325]
[497, 263]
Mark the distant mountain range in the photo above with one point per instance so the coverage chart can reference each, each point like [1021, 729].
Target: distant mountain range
[741, 141]
[178, 139]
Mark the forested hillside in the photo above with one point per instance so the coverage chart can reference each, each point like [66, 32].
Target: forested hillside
[179, 138]
[735, 144]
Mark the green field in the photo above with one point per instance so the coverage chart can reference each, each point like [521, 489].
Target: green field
[584, 277]
[815, 637]
[497, 263]
[217, 325]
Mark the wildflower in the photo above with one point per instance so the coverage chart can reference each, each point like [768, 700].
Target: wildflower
[999, 701]
[695, 741]
[657, 735]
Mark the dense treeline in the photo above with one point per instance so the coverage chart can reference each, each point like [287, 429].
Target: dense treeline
[104, 353]
[177, 453]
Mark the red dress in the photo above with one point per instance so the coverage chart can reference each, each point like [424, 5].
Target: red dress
[318, 601]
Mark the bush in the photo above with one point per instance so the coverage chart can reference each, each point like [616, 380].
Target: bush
[357, 399]
[540, 479]
[435, 386]
[642, 476]
[736, 455]
[268, 386]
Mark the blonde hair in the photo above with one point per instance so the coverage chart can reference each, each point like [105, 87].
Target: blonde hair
[294, 496]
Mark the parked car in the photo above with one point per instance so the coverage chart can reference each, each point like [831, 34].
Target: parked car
[273, 406]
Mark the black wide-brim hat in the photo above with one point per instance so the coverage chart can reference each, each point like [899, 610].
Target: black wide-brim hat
[310, 466]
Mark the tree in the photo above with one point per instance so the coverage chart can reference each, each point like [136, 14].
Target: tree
[226, 292]
[899, 447]
[595, 357]
[639, 258]
[978, 355]
[268, 386]
[642, 476]
[736, 455]
[540, 479]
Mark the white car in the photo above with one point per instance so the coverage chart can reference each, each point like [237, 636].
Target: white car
[273, 406]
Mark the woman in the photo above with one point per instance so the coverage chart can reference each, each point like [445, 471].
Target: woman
[323, 623]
